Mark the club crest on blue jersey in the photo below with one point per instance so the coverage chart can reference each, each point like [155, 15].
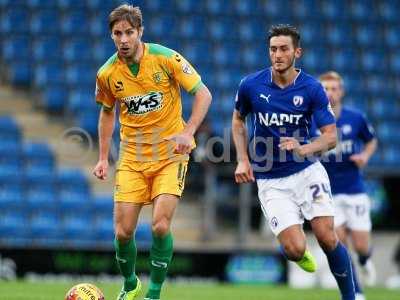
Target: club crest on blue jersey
[297, 101]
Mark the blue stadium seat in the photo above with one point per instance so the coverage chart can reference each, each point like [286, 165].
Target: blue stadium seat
[162, 25]
[250, 31]
[102, 51]
[345, 59]
[75, 22]
[98, 27]
[222, 28]
[72, 180]
[157, 6]
[7, 146]
[388, 132]
[40, 4]
[252, 56]
[45, 22]
[72, 201]
[368, 35]
[311, 32]
[108, 5]
[12, 224]
[45, 228]
[371, 59]
[47, 48]
[391, 155]
[78, 50]
[143, 235]
[388, 10]
[54, 99]
[16, 48]
[72, 4]
[395, 62]
[301, 9]
[10, 174]
[103, 229]
[374, 84]
[197, 51]
[38, 154]
[225, 55]
[9, 129]
[42, 200]
[77, 228]
[103, 206]
[49, 74]
[384, 108]
[81, 74]
[332, 10]
[37, 173]
[81, 100]
[362, 10]
[14, 20]
[338, 33]
[244, 8]
[88, 121]
[189, 6]
[20, 73]
[218, 7]
[392, 37]
[192, 26]
[11, 198]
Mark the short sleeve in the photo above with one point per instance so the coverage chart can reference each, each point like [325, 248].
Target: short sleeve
[321, 108]
[242, 101]
[184, 73]
[367, 132]
[103, 94]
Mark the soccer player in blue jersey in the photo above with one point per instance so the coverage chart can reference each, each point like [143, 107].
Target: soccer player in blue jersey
[292, 185]
[356, 144]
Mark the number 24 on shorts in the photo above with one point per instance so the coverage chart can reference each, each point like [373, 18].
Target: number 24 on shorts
[319, 190]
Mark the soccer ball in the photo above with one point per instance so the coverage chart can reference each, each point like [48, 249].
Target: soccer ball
[84, 291]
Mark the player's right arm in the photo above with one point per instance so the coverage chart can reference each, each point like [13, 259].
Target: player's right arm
[105, 126]
[243, 172]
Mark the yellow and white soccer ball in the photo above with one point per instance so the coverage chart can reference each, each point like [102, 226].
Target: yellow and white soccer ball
[84, 291]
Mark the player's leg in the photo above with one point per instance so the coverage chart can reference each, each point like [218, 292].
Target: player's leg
[285, 220]
[131, 191]
[293, 247]
[125, 221]
[341, 220]
[167, 187]
[360, 227]
[162, 247]
[338, 257]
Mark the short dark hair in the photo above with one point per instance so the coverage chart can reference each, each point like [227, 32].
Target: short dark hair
[285, 29]
[126, 12]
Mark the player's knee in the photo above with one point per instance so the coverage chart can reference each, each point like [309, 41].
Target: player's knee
[294, 251]
[328, 242]
[160, 227]
[123, 234]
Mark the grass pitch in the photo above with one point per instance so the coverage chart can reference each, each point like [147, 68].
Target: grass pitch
[20, 290]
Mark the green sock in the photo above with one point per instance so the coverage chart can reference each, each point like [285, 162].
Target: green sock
[160, 258]
[126, 259]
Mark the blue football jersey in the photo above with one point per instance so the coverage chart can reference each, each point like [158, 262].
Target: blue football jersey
[353, 132]
[276, 113]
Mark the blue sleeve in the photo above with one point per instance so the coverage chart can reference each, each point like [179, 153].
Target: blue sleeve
[321, 109]
[242, 101]
[367, 132]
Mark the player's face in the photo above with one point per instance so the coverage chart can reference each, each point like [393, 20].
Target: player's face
[283, 53]
[334, 91]
[126, 38]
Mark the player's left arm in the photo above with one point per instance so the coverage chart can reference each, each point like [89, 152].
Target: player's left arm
[367, 134]
[190, 80]
[324, 120]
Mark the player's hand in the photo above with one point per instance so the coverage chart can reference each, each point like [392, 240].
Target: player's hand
[183, 142]
[100, 170]
[291, 144]
[244, 172]
[359, 159]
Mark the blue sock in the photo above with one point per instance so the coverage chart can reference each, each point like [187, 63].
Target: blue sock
[357, 286]
[362, 259]
[340, 265]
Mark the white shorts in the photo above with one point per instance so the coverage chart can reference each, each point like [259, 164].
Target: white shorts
[353, 211]
[289, 200]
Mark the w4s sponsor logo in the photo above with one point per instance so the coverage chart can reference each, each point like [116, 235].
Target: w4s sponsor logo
[141, 104]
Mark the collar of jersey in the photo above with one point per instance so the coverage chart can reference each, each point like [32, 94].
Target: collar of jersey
[145, 52]
[273, 84]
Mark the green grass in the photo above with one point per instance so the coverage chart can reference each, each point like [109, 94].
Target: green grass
[55, 291]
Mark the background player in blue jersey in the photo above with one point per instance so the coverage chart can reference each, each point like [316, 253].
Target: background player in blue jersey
[356, 144]
[291, 185]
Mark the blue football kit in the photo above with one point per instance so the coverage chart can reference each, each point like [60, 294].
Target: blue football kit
[281, 112]
[353, 132]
